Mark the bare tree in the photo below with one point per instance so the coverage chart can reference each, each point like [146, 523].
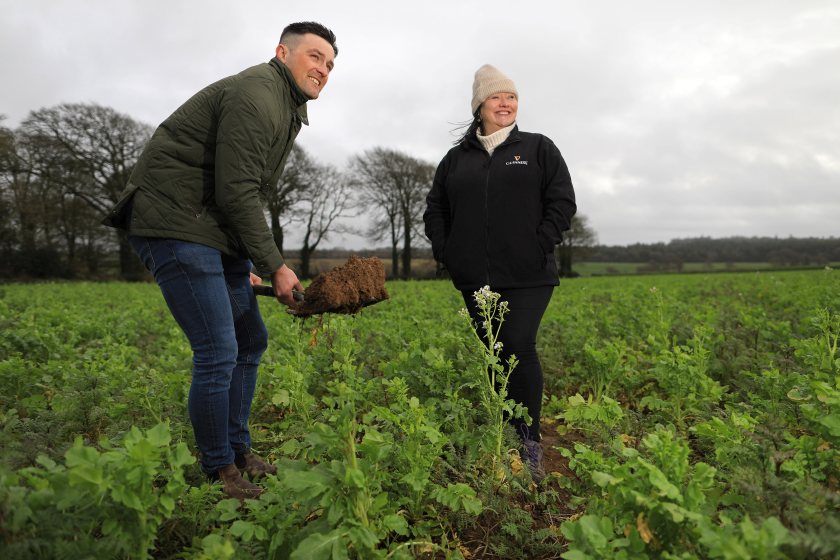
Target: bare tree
[97, 143]
[9, 219]
[47, 222]
[66, 215]
[375, 195]
[326, 200]
[103, 143]
[393, 186]
[8, 235]
[298, 174]
[575, 242]
[17, 182]
[33, 205]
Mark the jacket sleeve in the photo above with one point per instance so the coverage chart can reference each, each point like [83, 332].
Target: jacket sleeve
[244, 138]
[558, 197]
[436, 216]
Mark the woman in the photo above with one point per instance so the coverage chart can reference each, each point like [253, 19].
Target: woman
[500, 200]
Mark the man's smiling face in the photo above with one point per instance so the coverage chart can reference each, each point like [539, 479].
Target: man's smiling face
[310, 60]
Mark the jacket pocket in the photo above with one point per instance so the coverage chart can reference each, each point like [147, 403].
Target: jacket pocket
[547, 254]
[120, 215]
[537, 249]
[460, 260]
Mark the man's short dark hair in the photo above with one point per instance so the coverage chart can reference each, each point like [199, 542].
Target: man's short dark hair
[304, 27]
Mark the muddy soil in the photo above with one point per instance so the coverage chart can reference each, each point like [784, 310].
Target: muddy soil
[345, 289]
[553, 461]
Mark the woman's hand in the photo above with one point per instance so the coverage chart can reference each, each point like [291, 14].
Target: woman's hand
[255, 280]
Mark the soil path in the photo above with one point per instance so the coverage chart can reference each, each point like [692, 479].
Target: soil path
[553, 461]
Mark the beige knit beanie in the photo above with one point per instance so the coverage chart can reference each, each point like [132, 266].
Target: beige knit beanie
[488, 80]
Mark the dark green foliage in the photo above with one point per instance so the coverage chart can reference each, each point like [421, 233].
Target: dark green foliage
[698, 413]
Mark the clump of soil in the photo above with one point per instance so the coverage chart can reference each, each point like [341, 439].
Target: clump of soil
[345, 289]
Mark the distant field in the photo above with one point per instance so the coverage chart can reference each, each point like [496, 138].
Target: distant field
[425, 268]
[604, 268]
[420, 268]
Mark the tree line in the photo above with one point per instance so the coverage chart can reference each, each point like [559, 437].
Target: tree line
[780, 251]
[64, 167]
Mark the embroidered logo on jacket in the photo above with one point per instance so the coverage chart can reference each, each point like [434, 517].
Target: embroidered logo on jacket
[516, 161]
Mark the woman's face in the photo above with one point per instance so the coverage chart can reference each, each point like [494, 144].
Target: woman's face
[498, 111]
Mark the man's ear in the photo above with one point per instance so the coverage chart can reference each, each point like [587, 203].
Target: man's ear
[282, 52]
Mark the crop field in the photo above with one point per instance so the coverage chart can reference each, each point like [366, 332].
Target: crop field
[606, 268]
[685, 416]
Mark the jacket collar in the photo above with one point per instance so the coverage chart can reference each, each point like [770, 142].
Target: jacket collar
[299, 98]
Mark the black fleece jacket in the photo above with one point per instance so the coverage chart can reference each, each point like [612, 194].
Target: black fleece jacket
[495, 219]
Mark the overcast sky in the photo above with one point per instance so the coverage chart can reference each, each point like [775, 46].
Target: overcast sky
[676, 119]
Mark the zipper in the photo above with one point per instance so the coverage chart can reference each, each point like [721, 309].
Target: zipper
[193, 211]
[508, 140]
[487, 217]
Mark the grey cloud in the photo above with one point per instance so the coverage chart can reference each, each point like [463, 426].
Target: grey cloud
[676, 119]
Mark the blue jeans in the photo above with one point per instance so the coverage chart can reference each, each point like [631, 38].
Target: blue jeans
[210, 296]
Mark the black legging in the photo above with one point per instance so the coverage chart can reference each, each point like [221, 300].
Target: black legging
[519, 336]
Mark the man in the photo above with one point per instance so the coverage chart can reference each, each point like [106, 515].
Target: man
[193, 211]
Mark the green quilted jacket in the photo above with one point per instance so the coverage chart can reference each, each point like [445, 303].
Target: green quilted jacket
[203, 175]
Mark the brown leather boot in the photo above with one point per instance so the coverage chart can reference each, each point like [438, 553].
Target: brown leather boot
[237, 487]
[253, 465]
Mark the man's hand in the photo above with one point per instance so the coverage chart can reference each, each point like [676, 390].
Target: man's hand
[284, 280]
[255, 280]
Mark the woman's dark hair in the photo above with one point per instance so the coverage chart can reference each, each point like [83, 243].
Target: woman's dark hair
[304, 27]
[472, 126]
